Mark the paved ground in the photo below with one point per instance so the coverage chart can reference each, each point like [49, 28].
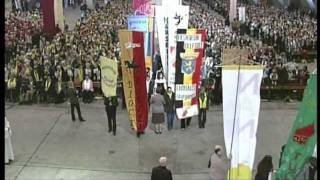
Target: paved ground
[48, 145]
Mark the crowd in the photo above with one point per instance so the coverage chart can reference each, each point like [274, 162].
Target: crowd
[38, 71]
[271, 35]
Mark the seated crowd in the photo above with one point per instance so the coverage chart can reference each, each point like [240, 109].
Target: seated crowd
[38, 69]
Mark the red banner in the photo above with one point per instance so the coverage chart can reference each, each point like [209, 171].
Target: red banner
[47, 10]
[189, 56]
[134, 77]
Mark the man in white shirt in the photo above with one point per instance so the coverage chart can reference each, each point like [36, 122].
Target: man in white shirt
[87, 90]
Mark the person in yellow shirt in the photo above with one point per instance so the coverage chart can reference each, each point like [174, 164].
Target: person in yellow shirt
[12, 84]
[203, 106]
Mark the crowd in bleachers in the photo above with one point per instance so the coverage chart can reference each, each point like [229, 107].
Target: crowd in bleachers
[38, 71]
[272, 36]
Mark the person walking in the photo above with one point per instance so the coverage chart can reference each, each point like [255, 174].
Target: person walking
[161, 172]
[203, 107]
[265, 168]
[185, 122]
[111, 104]
[169, 98]
[157, 103]
[74, 102]
[219, 166]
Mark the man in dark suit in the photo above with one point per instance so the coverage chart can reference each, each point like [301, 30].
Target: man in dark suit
[74, 101]
[111, 104]
[169, 98]
[161, 172]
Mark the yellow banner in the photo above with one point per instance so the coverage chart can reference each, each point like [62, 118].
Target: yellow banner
[125, 38]
[58, 14]
[109, 74]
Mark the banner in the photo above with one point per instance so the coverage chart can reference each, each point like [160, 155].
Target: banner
[189, 56]
[242, 14]
[162, 30]
[232, 10]
[47, 10]
[58, 14]
[134, 77]
[52, 14]
[144, 24]
[138, 23]
[143, 7]
[241, 93]
[109, 75]
[178, 19]
[302, 139]
[168, 20]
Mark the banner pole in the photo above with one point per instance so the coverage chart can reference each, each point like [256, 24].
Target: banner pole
[234, 117]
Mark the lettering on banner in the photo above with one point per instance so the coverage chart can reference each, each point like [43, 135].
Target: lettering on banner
[185, 92]
[254, 79]
[130, 100]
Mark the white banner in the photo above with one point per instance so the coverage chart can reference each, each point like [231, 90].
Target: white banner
[161, 24]
[232, 10]
[242, 14]
[178, 19]
[187, 111]
[185, 92]
[247, 113]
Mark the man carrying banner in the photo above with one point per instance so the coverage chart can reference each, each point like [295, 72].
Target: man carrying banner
[183, 123]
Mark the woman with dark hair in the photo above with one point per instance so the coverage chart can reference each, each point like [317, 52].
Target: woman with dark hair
[265, 168]
[157, 103]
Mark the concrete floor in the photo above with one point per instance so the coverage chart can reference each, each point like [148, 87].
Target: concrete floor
[48, 145]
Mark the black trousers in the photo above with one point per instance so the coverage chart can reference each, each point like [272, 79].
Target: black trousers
[202, 118]
[183, 122]
[111, 113]
[77, 106]
[87, 96]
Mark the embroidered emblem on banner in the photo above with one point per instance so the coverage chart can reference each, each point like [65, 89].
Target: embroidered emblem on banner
[188, 62]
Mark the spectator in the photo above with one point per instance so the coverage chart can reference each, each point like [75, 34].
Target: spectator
[218, 166]
[265, 168]
[87, 90]
[161, 172]
[157, 103]
[74, 103]
[111, 104]
[169, 97]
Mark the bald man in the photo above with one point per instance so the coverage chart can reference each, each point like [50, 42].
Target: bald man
[161, 172]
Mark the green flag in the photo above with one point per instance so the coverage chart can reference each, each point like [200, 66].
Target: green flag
[302, 139]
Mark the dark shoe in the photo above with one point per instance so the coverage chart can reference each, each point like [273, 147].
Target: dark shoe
[73, 120]
[109, 130]
[114, 133]
[138, 134]
[82, 120]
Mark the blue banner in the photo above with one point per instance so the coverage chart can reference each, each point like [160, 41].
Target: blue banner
[138, 23]
[141, 23]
